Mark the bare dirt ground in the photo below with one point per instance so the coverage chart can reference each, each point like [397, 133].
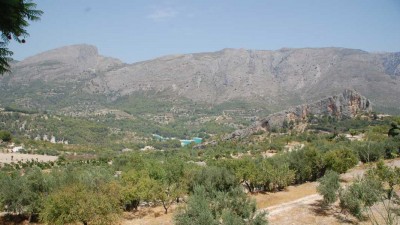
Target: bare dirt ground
[298, 205]
[265, 200]
[15, 157]
[150, 216]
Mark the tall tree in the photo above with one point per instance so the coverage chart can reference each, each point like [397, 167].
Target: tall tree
[14, 17]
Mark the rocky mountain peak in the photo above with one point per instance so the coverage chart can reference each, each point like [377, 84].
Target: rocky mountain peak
[65, 64]
[68, 54]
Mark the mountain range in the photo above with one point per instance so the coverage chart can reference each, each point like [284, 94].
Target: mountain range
[276, 79]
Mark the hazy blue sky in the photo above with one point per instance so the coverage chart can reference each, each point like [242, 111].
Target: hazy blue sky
[135, 30]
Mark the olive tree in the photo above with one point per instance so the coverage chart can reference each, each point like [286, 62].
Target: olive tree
[23, 193]
[328, 187]
[376, 187]
[78, 203]
[231, 207]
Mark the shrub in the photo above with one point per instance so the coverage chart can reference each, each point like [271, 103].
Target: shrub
[340, 160]
[328, 187]
[5, 136]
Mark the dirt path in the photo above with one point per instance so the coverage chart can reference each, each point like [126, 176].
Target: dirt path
[273, 210]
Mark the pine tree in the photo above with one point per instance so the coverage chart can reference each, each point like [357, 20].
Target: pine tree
[14, 17]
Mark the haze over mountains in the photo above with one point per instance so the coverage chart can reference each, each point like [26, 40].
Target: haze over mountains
[276, 79]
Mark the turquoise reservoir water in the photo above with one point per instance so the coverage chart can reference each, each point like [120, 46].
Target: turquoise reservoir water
[197, 140]
[186, 142]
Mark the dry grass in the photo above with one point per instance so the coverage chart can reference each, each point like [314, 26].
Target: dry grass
[310, 214]
[292, 193]
[149, 216]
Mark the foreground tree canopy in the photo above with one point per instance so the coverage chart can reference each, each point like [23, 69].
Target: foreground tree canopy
[14, 17]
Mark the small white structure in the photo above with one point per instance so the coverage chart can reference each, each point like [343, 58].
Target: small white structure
[53, 139]
[45, 138]
[126, 150]
[17, 149]
[147, 148]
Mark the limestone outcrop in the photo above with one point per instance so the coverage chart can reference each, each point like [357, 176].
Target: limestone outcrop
[346, 105]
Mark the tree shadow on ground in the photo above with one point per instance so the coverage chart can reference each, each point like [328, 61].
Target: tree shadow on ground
[142, 212]
[255, 193]
[138, 214]
[343, 218]
[14, 219]
[319, 209]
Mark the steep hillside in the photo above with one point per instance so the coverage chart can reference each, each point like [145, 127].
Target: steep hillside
[276, 79]
[343, 106]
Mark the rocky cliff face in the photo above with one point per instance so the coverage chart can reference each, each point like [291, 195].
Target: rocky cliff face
[277, 79]
[346, 105]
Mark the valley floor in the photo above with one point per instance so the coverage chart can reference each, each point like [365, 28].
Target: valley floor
[300, 205]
